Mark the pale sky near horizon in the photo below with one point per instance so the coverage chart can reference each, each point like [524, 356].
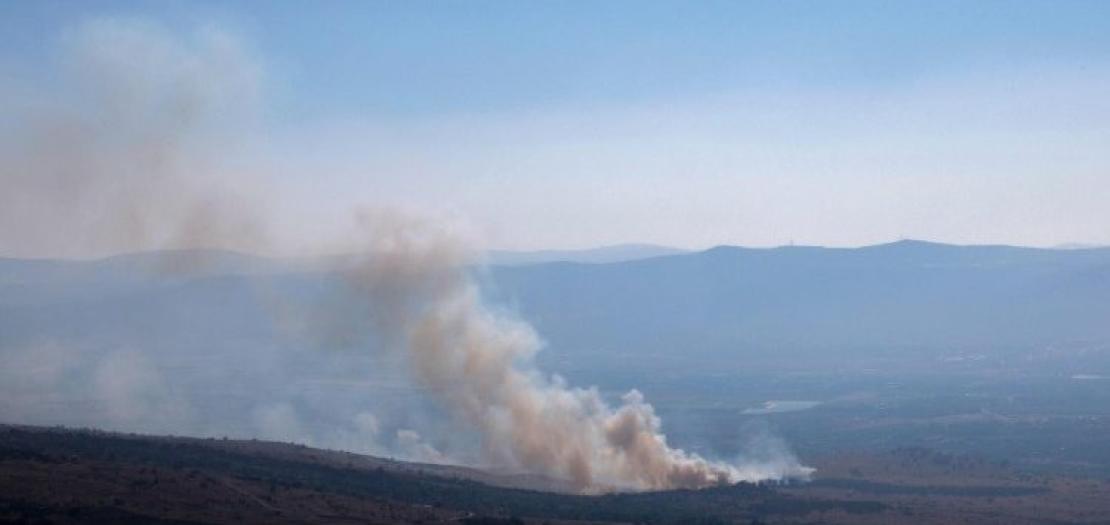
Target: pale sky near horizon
[690, 124]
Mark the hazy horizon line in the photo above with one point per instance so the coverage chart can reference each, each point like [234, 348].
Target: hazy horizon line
[581, 250]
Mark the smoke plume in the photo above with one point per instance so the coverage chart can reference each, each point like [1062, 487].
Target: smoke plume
[480, 364]
[130, 162]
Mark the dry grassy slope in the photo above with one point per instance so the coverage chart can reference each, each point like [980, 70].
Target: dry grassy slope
[81, 491]
[41, 482]
[341, 459]
[66, 476]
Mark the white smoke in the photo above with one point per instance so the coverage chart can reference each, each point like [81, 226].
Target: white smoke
[413, 447]
[131, 389]
[33, 377]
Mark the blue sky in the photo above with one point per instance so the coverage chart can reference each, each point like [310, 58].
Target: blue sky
[399, 58]
[568, 124]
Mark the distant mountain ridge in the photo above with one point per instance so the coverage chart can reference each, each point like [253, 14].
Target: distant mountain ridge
[722, 300]
[223, 262]
[601, 255]
[219, 261]
[745, 301]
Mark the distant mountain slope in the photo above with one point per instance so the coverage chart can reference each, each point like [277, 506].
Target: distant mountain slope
[153, 265]
[722, 301]
[200, 263]
[605, 254]
[791, 302]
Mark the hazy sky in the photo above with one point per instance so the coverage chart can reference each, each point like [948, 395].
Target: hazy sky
[573, 124]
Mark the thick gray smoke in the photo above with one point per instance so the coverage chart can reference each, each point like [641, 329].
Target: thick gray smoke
[131, 163]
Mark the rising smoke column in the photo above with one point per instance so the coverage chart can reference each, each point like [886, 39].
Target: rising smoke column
[130, 160]
[480, 365]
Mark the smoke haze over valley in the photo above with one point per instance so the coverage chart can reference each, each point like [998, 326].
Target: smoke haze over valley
[136, 167]
[465, 283]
